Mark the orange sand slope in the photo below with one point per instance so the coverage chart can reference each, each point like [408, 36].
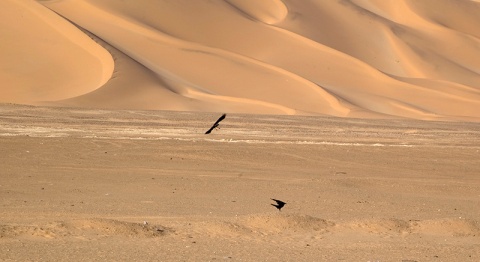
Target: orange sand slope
[354, 58]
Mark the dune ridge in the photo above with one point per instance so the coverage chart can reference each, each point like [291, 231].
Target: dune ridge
[356, 58]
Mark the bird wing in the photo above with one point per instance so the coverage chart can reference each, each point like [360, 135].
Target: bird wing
[211, 128]
[280, 202]
[216, 124]
[220, 119]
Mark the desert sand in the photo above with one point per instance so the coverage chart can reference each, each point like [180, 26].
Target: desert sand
[362, 115]
[355, 58]
[93, 185]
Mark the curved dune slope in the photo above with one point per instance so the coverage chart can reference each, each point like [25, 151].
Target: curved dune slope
[46, 58]
[355, 58]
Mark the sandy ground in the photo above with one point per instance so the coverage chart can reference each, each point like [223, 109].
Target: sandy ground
[96, 185]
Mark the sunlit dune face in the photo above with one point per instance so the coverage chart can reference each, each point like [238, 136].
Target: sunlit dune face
[357, 58]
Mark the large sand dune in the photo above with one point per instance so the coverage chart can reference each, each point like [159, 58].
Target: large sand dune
[356, 58]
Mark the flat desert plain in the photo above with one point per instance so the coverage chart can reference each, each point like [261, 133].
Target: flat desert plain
[128, 185]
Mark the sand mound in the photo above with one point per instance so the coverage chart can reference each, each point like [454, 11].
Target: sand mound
[84, 228]
[455, 227]
[266, 224]
[47, 231]
[394, 226]
[109, 227]
[282, 222]
[342, 58]
[450, 227]
[244, 226]
[295, 225]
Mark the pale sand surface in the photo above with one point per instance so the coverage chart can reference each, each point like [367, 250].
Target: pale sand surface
[347, 58]
[78, 184]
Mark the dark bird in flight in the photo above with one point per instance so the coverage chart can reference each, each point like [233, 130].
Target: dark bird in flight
[279, 204]
[216, 124]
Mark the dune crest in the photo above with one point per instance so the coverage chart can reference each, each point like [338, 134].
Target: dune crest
[269, 12]
[352, 58]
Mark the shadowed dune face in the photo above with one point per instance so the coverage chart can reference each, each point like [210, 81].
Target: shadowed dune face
[353, 58]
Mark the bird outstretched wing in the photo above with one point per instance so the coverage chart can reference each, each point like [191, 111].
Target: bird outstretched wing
[216, 124]
[279, 204]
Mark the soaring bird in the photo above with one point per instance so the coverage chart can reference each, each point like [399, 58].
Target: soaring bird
[279, 204]
[216, 124]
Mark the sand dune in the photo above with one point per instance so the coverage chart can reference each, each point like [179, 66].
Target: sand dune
[45, 57]
[352, 58]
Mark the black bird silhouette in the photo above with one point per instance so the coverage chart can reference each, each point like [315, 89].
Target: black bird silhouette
[216, 124]
[279, 204]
